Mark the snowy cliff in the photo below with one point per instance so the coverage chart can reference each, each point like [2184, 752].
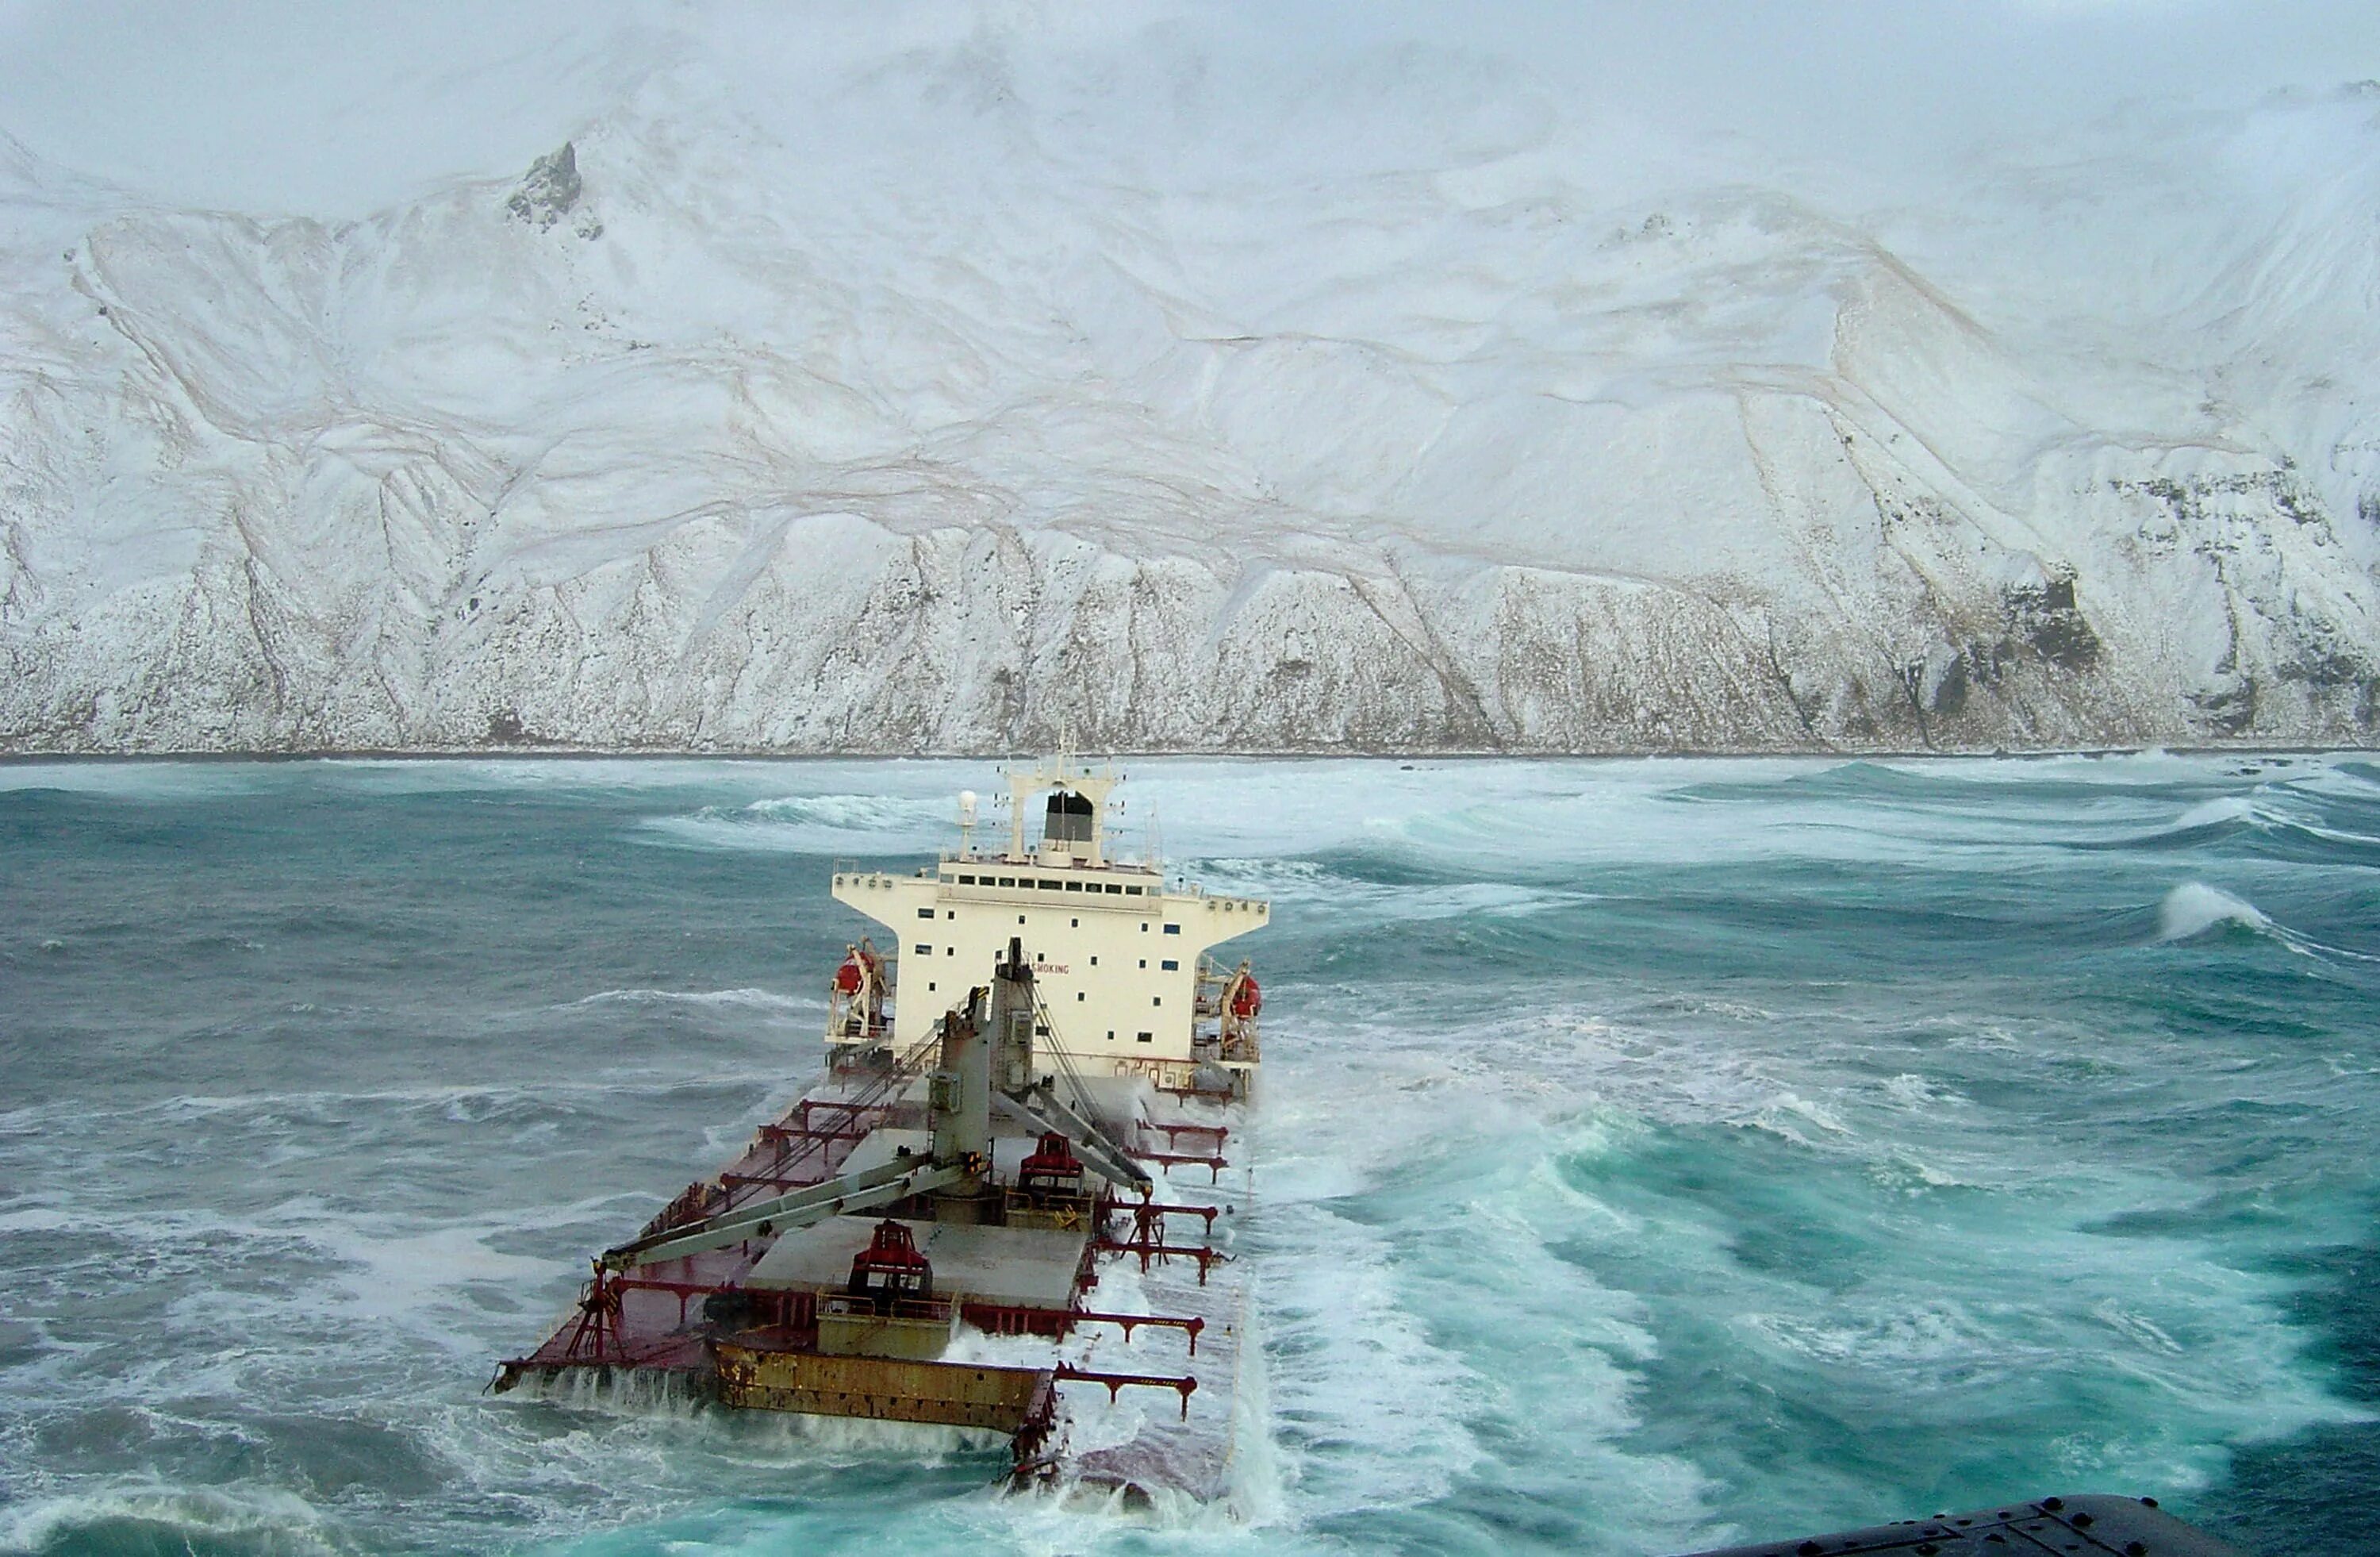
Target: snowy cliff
[1397, 405]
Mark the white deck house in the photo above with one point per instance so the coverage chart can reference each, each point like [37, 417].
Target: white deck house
[1115, 956]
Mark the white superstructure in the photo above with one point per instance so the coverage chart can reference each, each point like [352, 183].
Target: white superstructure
[1117, 956]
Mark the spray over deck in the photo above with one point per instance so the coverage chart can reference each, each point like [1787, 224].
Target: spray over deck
[1017, 1178]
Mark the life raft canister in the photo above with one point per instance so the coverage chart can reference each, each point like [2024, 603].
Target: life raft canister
[1246, 998]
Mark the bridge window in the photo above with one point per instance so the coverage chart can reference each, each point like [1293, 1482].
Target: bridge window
[1047, 885]
[1007, 881]
[1074, 886]
[1132, 892]
[1113, 887]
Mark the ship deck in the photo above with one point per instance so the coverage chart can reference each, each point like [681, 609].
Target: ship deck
[1141, 1339]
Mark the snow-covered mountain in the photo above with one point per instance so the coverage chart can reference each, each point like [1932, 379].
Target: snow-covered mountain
[965, 393]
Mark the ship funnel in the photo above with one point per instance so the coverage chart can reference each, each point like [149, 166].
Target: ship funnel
[1069, 820]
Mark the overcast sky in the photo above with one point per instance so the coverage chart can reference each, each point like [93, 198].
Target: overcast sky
[331, 109]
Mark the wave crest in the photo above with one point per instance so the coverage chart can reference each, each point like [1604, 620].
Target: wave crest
[861, 813]
[741, 998]
[156, 1518]
[2193, 910]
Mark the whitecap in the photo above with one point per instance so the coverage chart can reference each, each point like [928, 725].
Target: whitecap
[2193, 908]
[2214, 813]
[747, 998]
[1773, 1116]
[1909, 1090]
[257, 1519]
[2136, 1327]
[852, 812]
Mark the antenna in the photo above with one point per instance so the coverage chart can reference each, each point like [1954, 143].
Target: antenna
[967, 823]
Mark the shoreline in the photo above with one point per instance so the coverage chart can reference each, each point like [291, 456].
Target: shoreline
[649, 754]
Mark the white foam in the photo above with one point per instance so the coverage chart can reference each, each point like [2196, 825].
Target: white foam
[746, 998]
[2212, 813]
[270, 1522]
[1778, 1114]
[876, 813]
[2193, 908]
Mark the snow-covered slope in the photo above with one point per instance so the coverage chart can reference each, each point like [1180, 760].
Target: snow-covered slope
[965, 395]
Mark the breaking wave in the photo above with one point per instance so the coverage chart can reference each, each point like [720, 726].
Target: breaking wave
[818, 824]
[870, 813]
[203, 1523]
[768, 1001]
[2193, 910]
[2210, 819]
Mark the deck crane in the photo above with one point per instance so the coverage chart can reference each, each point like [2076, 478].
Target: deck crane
[987, 1040]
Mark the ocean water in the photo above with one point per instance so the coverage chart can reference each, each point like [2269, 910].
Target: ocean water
[1653, 1154]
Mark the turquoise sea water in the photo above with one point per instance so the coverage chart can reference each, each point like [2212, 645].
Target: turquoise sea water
[1653, 1154]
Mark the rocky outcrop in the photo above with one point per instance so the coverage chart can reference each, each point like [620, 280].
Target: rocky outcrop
[549, 191]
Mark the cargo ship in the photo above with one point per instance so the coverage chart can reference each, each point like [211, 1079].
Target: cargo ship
[1008, 1204]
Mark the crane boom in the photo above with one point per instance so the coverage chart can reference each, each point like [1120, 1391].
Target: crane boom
[959, 1107]
[1038, 1106]
[864, 1190]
